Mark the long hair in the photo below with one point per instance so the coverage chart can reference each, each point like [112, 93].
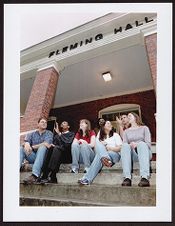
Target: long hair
[103, 134]
[138, 119]
[87, 131]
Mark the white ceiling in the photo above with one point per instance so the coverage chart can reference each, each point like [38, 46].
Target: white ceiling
[83, 82]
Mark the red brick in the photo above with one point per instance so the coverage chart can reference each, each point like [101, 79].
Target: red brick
[151, 48]
[41, 98]
[89, 110]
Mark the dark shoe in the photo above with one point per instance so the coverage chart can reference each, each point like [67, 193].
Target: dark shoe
[22, 168]
[49, 181]
[100, 170]
[84, 182]
[86, 169]
[53, 181]
[106, 162]
[32, 179]
[144, 182]
[126, 182]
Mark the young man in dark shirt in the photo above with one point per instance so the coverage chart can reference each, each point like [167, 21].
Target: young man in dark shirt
[60, 153]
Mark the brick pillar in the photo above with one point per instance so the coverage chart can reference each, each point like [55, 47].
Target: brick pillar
[151, 48]
[41, 98]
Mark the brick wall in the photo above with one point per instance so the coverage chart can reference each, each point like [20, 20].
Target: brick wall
[151, 48]
[41, 98]
[90, 110]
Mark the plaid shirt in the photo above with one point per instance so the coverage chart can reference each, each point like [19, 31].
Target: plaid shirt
[35, 137]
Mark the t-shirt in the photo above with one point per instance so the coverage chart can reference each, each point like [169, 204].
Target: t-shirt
[86, 138]
[113, 141]
[136, 135]
[37, 138]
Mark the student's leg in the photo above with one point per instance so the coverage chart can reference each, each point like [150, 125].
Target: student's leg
[114, 156]
[87, 155]
[101, 150]
[144, 156]
[96, 165]
[55, 159]
[40, 155]
[75, 151]
[22, 156]
[45, 168]
[126, 153]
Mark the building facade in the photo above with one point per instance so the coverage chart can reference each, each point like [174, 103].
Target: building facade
[62, 78]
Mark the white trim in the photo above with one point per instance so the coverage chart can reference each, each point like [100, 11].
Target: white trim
[118, 107]
[49, 65]
[84, 53]
[101, 21]
[106, 96]
[113, 41]
[150, 29]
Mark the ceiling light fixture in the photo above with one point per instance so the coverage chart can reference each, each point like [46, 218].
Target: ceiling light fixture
[107, 76]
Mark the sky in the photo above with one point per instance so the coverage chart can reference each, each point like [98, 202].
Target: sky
[37, 25]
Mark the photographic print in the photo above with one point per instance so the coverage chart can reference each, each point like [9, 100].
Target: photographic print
[89, 111]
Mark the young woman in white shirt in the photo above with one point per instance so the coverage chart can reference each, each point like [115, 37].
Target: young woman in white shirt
[107, 147]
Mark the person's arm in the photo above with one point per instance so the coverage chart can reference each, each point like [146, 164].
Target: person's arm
[92, 142]
[56, 128]
[76, 138]
[115, 149]
[47, 141]
[125, 138]
[147, 136]
[119, 123]
[118, 144]
[27, 144]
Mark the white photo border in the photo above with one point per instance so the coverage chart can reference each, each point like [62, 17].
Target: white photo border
[162, 211]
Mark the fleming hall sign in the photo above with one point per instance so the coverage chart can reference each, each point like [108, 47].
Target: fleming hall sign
[98, 37]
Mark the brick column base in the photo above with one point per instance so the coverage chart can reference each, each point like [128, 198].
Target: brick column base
[41, 98]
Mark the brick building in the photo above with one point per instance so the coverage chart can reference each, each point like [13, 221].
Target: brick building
[62, 78]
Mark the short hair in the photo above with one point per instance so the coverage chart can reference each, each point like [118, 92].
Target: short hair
[41, 119]
[66, 122]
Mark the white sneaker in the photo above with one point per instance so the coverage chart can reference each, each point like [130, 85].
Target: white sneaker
[74, 171]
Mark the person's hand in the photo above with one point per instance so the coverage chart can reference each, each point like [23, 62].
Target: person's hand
[109, 148]
[27, 148]
[83, 141]
[133, 145]
[119, 121]
[56, 128]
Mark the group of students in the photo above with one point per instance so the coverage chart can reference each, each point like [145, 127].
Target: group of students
[93, 150]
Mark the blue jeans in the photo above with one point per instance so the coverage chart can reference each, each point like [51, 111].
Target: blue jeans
[81, 153]
[35, 158]
[96, 165]
[143, 155]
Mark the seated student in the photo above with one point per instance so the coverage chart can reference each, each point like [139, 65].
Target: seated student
[107, 147]
[83, 146]
[34, 149]
[123, 123]
[100, 123]
[60, 153]
[137, 147]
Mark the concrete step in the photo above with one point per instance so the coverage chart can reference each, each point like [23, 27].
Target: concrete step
[117, 167]
[95, 193]
[106, 178]
[44, 201]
